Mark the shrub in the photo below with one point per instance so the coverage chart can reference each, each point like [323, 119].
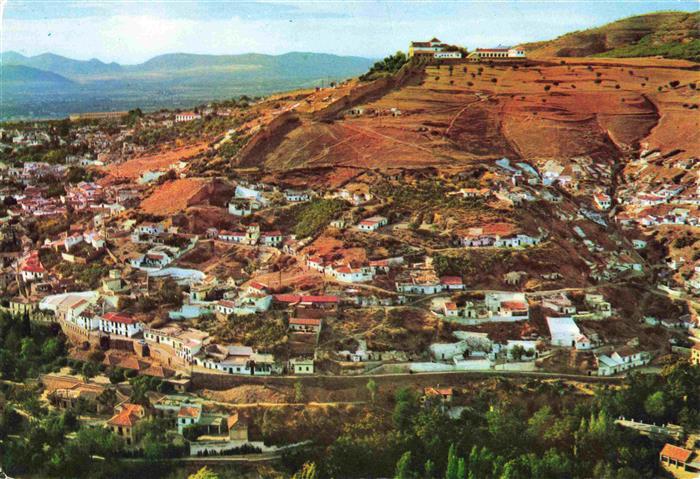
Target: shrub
[547, 87]
[674, 83]
[684, 242]
[493, 80]
[388, 66]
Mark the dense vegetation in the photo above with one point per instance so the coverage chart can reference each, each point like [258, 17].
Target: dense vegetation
[27, 350]
[536, 430]
[423, 196]
[311, 217]
[646, 47]
[386, 67]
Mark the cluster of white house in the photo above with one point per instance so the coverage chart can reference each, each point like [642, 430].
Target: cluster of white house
[498, 306]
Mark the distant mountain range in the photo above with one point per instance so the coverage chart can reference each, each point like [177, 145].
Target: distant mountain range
[667, 34]
[166, 81]
[23, 75]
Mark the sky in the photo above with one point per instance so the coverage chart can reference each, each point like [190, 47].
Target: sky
[132, 31]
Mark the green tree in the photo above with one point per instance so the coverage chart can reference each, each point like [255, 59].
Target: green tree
[372, 388]
[403, 467]
[517, 352]
[88, 370]
[655, 405]
[452, 471]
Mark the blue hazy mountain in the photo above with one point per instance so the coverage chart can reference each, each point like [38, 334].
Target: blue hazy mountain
[165, 81]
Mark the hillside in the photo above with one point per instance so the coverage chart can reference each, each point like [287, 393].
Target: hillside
[24, 76]
[594, 108]
[67, 67]
[668, 34]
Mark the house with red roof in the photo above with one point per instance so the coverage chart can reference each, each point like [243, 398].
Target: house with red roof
[31, 268]
[450, 309]
[224, 307]
[507, 306]
[271, 238]
[119, 324]
[601, 201]
[372, 223]
[425, 49]
[231, 236]
[352, 274]
[679, 457]
[498, 53]
[443, 394]
[305, 325]
[452, 283]
[256, 288]
[123, 422]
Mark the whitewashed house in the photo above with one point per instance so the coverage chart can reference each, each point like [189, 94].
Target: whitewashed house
[372, 223]
[566, 333]
[119, 324]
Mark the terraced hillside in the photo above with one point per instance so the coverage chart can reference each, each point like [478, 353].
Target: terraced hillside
[452, 115]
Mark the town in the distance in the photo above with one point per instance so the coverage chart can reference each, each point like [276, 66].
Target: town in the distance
[506, 238]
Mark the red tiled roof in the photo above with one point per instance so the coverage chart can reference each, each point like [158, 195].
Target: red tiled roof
[128, 416]
[186, 411]
[451, 280]
[118, 318]
[257, 285]
[132, 363]
[438, 391]
[319, 299]
[287, 298]
[676, 453]
[514, 305]
[305, 321]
